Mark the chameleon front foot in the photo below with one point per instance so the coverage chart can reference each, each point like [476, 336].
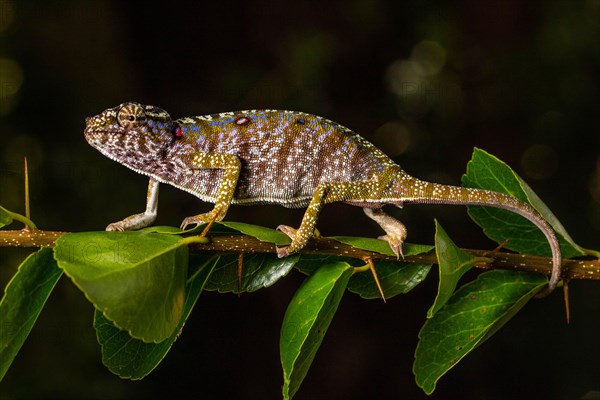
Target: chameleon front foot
[131, 223]
[209, 217]
[116, 227]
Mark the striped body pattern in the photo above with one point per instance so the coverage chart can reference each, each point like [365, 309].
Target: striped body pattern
[288, 158]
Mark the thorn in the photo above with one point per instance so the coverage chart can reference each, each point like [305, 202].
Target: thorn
[208, 226]
[566, 297]
[371, 264]
[500, 246]
[239, 273]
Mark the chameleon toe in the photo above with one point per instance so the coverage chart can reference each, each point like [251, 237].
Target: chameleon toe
[283, 251]
[288, 230]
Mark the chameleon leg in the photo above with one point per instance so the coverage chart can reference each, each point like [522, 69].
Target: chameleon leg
[141, 220]
[325, 193]
[231, 167]
[394, 229]
[301, 235]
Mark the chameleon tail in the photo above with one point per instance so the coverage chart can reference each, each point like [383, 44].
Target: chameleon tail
[434, 193]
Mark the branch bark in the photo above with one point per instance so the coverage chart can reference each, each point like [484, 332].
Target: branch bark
[572, 269]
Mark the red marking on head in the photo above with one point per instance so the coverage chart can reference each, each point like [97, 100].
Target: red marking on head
[178, 132]
[242, 121]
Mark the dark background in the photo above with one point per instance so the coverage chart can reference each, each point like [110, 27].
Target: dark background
[425, 82]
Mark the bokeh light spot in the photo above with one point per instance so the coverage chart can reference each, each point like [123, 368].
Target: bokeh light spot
[539, 161]
[7, 15]
[11, 79]
[393, 138]
[429, 57]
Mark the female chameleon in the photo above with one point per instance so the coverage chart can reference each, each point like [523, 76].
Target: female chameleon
[288, 158]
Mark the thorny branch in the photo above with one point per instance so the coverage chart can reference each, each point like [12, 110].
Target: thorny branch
[572, 269]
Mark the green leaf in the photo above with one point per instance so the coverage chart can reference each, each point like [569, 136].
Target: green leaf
[380, 246]
[23, 300]
[487, 172]
[258, 271]
[136, 279]
[453, 264]
[259, 232]
[133, 359]
[306, 320]
[216, 228]
[473, 314]
[170, 230]
[5, 217]
[226, 227]
[309, 263]
[395, 277]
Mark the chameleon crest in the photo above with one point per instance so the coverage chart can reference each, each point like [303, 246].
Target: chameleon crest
[288, 158]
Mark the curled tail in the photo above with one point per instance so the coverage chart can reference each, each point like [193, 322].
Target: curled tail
[421, 192]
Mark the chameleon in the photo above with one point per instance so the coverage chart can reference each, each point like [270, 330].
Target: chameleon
[289, 158]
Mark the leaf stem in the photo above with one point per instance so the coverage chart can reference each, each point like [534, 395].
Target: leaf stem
[26, 170]
[21, 218]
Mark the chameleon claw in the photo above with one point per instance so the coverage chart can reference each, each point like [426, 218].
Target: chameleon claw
[394, 229]
[184, 225]
[283, 251]
[115, 227]
[395, 245]
[206, 218]
[195, 221]
[288, 230]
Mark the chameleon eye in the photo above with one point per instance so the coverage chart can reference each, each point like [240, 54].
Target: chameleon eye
[131, 115]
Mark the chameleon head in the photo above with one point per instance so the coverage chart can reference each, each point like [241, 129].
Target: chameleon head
[130, 132]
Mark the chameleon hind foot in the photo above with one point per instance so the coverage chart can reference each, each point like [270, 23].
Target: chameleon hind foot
[395, 245]
[394, 229]
[297, 242]
[291, 233]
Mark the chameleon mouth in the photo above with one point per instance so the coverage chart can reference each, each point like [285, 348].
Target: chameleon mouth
[101, 132]
[101, 136]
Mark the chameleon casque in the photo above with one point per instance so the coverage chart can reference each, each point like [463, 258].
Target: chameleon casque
[288, 158]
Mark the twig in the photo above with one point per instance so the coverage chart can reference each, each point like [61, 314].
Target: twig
[572, 269]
